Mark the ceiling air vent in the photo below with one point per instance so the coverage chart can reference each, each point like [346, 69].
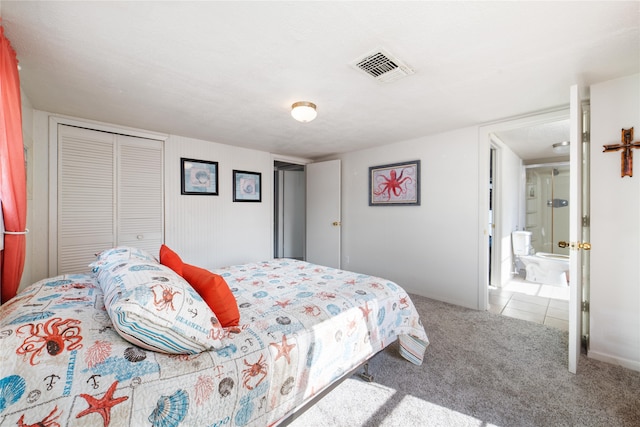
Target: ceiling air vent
[382, 66]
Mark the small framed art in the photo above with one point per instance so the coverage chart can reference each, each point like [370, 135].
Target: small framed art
[395, 184]
[247, 186]
[199, 177]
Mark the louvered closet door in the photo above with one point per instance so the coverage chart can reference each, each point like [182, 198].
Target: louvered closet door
[139, 193]
[109, 194]
[86, 216]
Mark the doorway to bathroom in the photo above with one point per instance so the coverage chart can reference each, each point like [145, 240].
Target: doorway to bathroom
[528, 190]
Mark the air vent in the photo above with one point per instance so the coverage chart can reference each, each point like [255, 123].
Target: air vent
[382, 66]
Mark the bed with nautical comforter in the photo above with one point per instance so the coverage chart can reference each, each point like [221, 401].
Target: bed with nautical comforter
[133, 344]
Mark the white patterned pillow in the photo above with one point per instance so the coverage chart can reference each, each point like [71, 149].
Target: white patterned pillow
[153, 307]
[123, 253]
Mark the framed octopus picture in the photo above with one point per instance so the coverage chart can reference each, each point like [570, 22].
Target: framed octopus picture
[395, 184]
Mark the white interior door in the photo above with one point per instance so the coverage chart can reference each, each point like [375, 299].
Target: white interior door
[575, 228]
[323, 213]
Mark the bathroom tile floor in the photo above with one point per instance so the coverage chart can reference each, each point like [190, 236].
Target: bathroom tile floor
[534, 302]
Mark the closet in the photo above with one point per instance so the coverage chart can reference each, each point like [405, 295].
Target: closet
[109, 192]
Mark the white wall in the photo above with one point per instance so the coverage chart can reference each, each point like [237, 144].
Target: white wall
[214, 231]
[39, 226]
[27, 140]
[432, 249]
[615, 226]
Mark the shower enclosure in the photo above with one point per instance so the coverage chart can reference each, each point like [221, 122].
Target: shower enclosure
[547, 206]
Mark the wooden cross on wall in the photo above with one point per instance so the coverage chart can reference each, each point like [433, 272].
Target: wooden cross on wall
[626, 157]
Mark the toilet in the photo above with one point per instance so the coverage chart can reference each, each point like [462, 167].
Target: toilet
[541, 267]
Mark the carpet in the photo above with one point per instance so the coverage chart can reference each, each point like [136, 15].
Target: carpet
[482, 369]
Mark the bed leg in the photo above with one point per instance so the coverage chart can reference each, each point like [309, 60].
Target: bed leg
[366, 375]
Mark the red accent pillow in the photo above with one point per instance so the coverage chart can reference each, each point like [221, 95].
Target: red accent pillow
[171, 259]
[216, 293]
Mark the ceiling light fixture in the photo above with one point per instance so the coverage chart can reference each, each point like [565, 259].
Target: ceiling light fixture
[304, 111]
[561, 147]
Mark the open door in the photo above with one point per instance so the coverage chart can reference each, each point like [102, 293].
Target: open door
[575, 228]
[323, 213]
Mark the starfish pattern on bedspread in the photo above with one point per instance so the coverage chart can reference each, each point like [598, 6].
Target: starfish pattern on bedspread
[282, 304]
[365, 310]
[283, 349]
[102, 406]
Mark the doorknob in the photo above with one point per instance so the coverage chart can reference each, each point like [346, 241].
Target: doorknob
[336, 223]
[580, 245]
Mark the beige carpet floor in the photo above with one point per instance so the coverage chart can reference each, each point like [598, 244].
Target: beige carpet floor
[482, 369]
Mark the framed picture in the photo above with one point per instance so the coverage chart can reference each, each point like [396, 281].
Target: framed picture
[395, 184]
[199, 177]
[247, 186]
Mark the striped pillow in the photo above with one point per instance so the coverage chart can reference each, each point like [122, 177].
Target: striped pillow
[153, 307]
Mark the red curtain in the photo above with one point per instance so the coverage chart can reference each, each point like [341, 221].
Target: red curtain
[13, 194]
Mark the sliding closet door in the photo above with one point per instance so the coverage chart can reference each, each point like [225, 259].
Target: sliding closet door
[109, 193]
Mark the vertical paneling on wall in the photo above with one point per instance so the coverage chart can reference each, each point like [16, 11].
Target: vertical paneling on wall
[214, 231]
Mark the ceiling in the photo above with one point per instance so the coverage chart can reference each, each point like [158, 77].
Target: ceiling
[228, 72]
[535, 143]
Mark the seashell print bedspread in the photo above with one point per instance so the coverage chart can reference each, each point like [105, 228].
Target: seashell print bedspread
[302, 327]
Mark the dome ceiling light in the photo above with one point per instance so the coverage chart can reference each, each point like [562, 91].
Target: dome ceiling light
[561, 147]
[304, 111]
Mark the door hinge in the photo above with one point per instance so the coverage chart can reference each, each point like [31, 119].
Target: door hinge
[586, 221]
[585, 342]
[585, 306]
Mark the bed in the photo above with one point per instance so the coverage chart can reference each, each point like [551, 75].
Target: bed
[302, 328]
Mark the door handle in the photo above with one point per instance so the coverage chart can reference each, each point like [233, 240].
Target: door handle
[580, 245]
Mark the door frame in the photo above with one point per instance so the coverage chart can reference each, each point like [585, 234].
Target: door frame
[286, 159]
[486, 142]
[576, 187]
[495, 272]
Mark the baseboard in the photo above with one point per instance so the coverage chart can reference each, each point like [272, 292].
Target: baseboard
[626, 363]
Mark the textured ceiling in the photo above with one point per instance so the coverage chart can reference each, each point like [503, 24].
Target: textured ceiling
[229, 71]
[535, 142]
